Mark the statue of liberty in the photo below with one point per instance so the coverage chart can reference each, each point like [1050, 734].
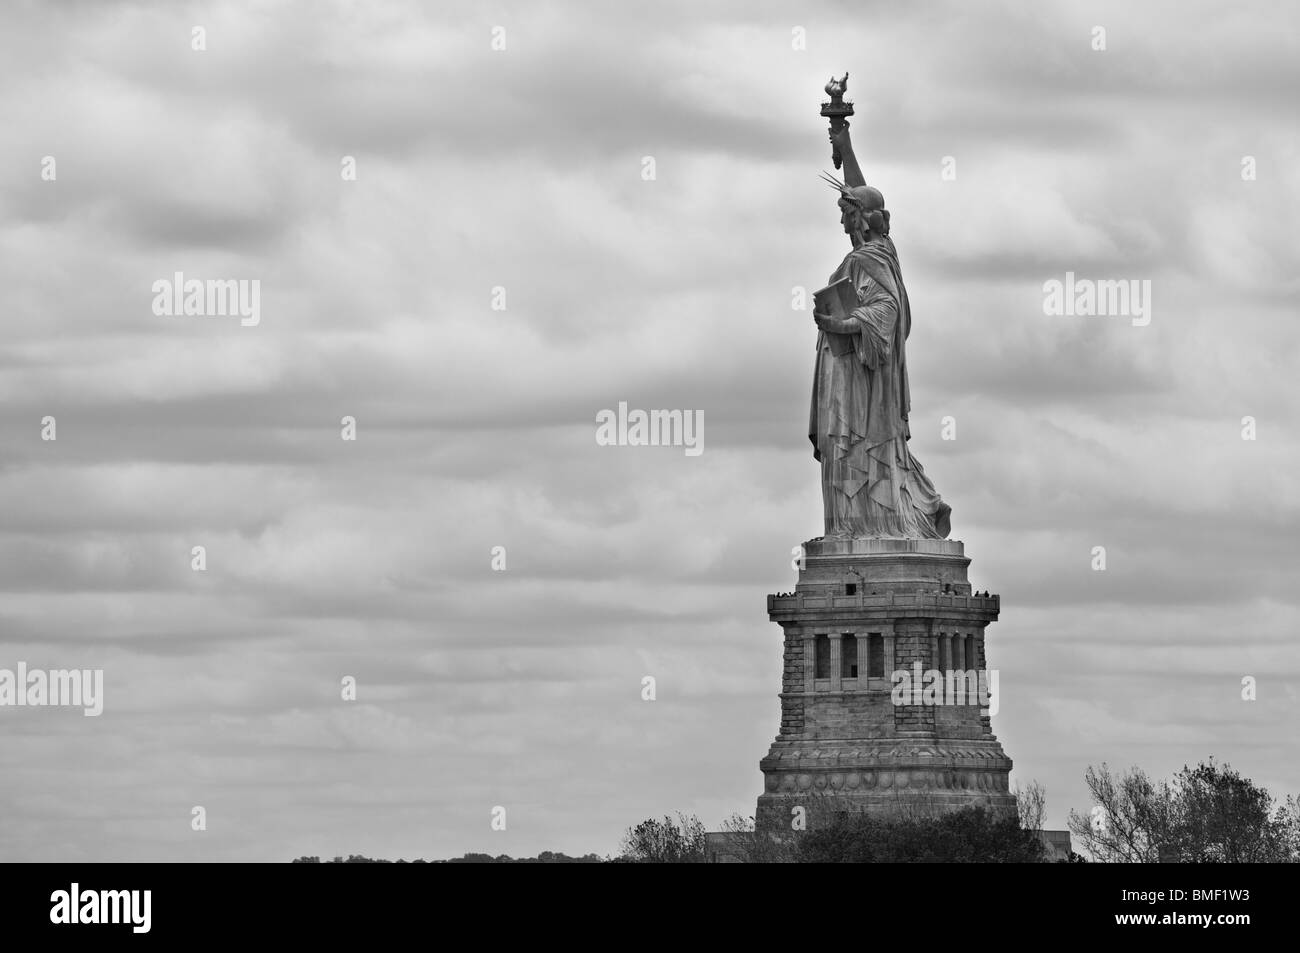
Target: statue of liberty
[872, 486]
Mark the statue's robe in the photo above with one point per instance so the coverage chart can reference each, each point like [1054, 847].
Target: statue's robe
[872, 486]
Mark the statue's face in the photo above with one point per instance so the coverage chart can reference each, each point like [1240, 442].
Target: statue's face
[848, 216]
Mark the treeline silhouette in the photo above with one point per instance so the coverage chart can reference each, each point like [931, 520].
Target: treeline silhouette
[1206, 814]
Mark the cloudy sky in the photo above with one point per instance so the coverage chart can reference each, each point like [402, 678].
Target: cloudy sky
[521, 168]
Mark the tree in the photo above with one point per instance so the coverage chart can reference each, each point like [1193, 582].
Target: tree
[1119, 827]
[665, 842]
[1206, 814]
[1031, 805]
[1225, 818]
[1289, 818]
[751, 847]
[968, 835]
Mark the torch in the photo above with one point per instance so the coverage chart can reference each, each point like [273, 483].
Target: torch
[837, 111]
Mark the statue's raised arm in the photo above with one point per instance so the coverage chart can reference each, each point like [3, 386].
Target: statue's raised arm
[844, 146]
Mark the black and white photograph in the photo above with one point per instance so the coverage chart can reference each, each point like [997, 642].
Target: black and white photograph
[649, 434]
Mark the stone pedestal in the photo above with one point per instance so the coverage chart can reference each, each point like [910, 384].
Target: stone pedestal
[862, 610]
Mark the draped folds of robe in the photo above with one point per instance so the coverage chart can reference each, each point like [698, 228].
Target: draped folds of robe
[872, 486]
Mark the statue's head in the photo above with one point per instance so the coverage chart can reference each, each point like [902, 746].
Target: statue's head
[862, 212]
